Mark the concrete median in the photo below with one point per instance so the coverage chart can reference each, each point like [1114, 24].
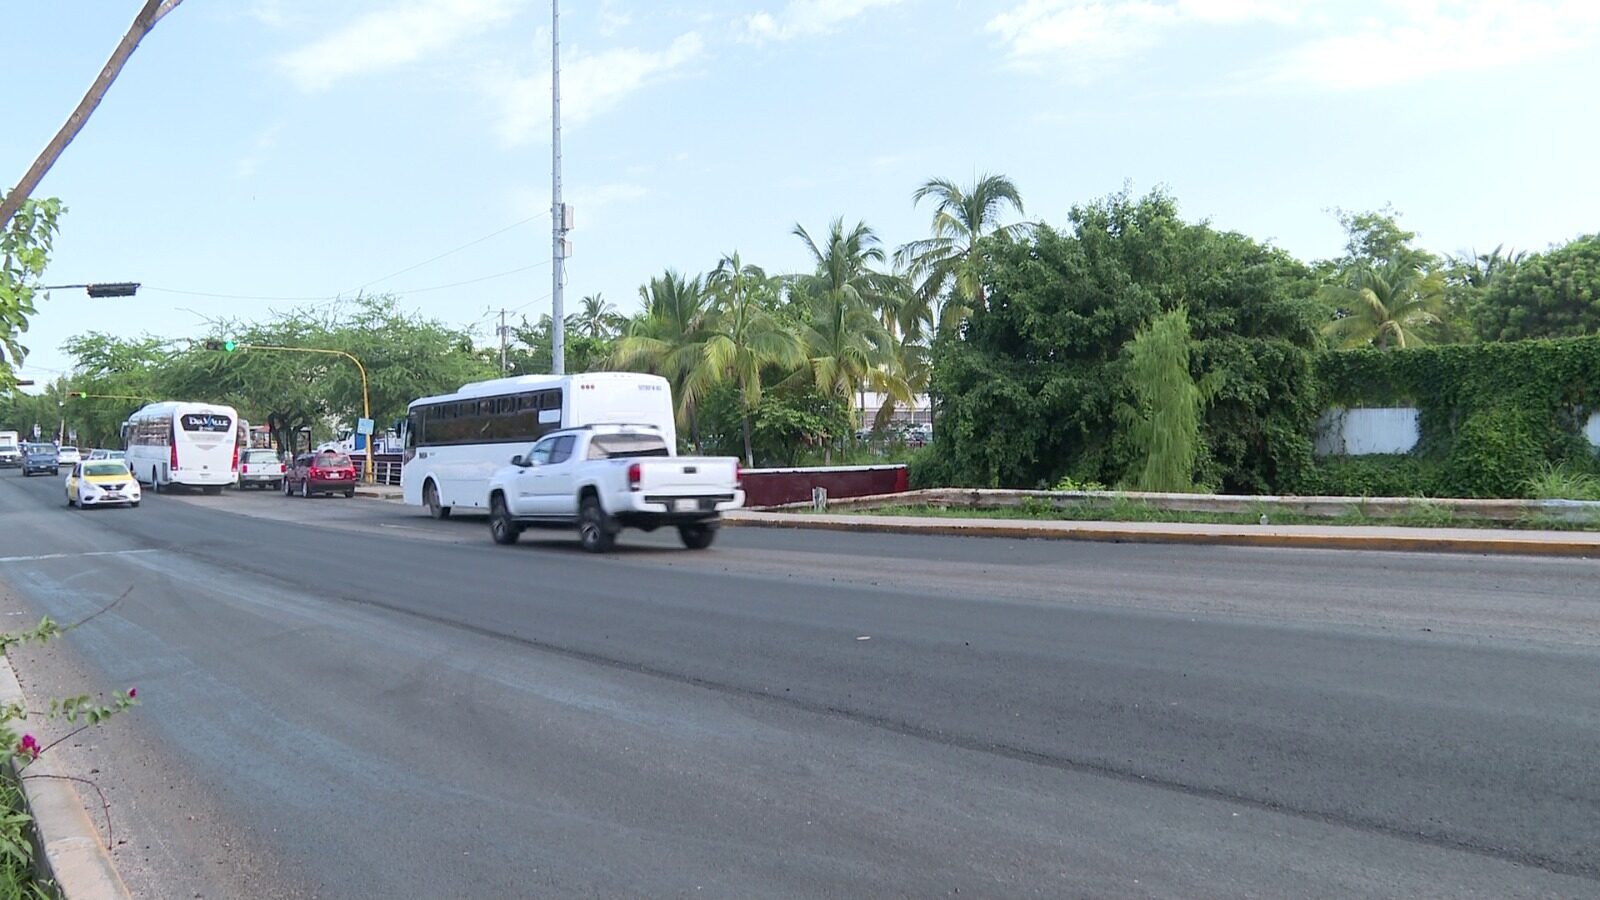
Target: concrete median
[1326, 537]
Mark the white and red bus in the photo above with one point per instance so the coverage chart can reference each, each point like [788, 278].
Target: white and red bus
[192, 444]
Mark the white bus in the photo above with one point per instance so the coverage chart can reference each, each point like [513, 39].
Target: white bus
[193, 444]
[454, 443]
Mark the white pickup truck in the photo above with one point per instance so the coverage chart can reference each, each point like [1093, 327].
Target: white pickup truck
[603, 478]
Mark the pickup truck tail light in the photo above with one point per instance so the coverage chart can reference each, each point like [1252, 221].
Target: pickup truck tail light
[244, 469]
[738, 475]
[235, 457]
[634, 473]
[282, 468]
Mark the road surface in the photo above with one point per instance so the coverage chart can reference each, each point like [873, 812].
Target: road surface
[346, 699]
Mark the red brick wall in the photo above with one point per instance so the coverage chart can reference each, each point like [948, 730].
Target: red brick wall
[771, 487]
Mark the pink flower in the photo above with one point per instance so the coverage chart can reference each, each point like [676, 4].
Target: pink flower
[132, 693]
[29, 747]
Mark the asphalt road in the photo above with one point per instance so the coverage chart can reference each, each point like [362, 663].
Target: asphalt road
[345, 699]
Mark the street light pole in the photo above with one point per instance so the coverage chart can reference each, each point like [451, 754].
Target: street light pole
[558, 210]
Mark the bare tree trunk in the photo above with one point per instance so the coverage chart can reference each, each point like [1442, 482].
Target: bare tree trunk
[148, 16]
[749, 454]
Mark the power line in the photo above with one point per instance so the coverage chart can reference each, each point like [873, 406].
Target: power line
[451, 252]
[338, 297]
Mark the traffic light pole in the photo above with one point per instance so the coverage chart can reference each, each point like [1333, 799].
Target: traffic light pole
[366, 400]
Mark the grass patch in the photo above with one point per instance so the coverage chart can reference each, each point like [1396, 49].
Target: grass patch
[1561, 483]
[1425, 515]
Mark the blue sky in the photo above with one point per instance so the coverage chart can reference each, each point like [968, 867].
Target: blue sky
[307, 149]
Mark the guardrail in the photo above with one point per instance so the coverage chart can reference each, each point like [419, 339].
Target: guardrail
[386, 469]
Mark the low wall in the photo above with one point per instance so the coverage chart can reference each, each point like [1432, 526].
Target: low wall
[774, 487]
[1577, 511]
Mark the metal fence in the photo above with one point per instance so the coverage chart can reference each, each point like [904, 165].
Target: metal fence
[386, 469]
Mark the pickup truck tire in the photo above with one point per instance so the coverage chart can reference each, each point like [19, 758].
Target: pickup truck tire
[595, 532]
[305, 489]
[430, 499]
[697, 537]
[502, 527]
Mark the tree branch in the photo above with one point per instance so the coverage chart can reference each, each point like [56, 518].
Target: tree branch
[151, 13]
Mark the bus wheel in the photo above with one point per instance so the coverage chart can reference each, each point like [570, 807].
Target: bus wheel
[155, 480]
[430, 498]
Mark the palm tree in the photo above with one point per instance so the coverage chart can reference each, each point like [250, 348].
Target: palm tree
[945, 262]
[598, 318]
[1384, 306]
[668, 339]
[742, 337]
[846, 345]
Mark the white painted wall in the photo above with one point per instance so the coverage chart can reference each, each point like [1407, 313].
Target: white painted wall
[1361, 432]
[1592, 430]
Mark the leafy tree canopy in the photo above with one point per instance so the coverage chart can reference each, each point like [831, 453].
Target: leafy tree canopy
[1552, 294]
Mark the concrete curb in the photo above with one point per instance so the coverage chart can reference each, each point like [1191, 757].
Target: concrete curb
[74, 855]
[1410, 540]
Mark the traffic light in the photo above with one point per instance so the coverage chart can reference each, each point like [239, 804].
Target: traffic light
[112, 289]
[76, 395]
[227, 346]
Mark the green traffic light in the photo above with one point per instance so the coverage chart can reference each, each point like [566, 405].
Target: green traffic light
[230, 346]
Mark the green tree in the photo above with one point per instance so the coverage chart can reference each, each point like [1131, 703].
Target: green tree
[846, 346]
[598, 318]
[741, 338]
[950, 286]
[25, 243]
[1551, 294]
[107, 369]
[1028, 393]
[668, 339]
[1162, 421]
[533, 349]
[1385, 306]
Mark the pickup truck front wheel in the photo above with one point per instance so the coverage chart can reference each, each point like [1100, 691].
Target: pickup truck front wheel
[697, 537]
[504, 529]
[595, 531]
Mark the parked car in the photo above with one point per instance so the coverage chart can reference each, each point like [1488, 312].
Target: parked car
[10, 450]
[98, 453]
[40, 459]
[603, 478]
[261, 469]
[68, 456]
[326, 472]
[102, 482]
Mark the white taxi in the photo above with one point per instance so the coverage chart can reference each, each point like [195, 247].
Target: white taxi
[102, 482]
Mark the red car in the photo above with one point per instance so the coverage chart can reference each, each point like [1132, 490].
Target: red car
[327, 472]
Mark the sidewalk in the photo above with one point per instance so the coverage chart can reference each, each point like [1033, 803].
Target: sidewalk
[379, 492]
[1584, 544]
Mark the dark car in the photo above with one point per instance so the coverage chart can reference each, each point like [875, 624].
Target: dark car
[327, 472]
[40, 459]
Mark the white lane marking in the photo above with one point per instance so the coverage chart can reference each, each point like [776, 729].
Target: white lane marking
[12, 559]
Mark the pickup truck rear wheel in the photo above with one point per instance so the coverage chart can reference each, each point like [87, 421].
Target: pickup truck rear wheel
[697, 537]
[504, 528]
[594, 531]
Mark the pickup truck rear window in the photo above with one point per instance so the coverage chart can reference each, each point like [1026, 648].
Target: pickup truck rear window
[611, 446]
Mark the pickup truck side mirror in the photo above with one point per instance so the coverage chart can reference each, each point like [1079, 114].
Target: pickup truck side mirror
[519, 461]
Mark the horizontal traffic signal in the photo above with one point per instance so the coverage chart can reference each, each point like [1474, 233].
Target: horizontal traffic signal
[227, 346]
[112, 289]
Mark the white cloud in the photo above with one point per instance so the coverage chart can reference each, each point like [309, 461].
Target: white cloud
[1424, 38]
[591, 84]
[1333, 44]
[263, 146]
[613, 19]
[806, 18]
[391, 37]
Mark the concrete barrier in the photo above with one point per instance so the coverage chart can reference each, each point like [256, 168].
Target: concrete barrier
[1319, 507]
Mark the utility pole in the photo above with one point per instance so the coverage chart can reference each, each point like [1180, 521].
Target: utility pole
[503, 368]
[558, 210]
